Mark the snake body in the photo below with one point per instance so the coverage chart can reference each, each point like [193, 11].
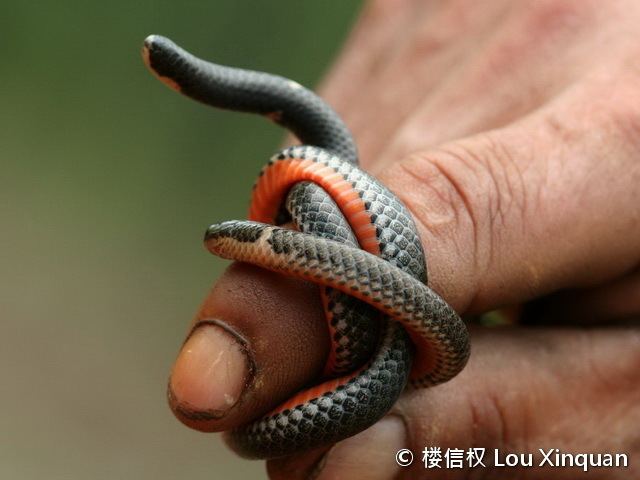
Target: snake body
[337, 226]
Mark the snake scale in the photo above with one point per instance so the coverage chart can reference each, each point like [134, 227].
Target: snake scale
[315, 215]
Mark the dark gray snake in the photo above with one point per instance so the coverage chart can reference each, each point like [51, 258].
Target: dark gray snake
[342, 229]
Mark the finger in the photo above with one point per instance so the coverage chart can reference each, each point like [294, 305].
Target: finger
[537, 206]
[576, 390]
[519, 66]
[615, 302]
[248, 349]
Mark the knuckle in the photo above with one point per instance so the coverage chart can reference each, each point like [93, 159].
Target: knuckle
[499, 421]
[546, 17]
[496, 195]
[489, 419]
[622, 114]
[436, 193]
[473, 186]
[533, 30]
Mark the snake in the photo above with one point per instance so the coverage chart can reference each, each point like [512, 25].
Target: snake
[315, 215]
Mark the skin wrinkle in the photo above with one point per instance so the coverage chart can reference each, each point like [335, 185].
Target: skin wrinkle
[455, 175]
[425, 226]
[511, 192]
[494, 208]
[504, 419]
[519, 409]
[550, 429]
[527, 424]
[507, 210]
[464, 205]
[425, 180]
[513, 415]
[487, 418]
[522, 204]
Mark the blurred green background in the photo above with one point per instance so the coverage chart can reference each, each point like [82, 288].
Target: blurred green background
[109, 180]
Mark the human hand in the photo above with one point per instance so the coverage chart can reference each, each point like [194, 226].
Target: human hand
[511, 130]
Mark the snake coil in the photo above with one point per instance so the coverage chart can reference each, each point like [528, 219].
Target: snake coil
[344, 231]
